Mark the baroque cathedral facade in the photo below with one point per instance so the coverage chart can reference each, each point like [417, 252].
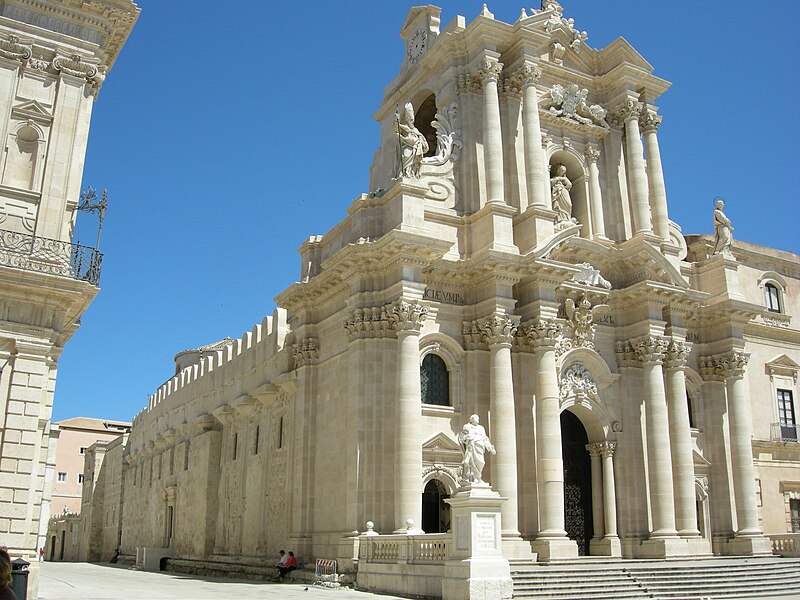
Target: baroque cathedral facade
[514, 259]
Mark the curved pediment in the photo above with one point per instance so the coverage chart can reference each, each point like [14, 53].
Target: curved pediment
[622, 264]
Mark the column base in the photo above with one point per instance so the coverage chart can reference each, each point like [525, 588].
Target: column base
[666, 547]
[550, 549]
[607, 546]
[699, 546]
[515, 548]
[749, 546]
[477, 579]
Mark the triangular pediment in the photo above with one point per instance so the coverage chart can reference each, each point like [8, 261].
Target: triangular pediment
[782, 365]
[620, 51]
[440, 442]
[32, 109]
[699, 460]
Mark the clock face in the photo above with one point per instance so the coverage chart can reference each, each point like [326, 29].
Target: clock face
[416, 45]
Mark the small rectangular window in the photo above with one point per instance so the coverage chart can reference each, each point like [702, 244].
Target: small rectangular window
[280, 433]
[62, 477]
[256, 440]
[773, 298]
[80, 477]
[83, 450]
[235, 444]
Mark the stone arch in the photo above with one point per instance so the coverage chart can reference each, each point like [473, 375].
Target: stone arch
[443, 474]
[578, 174]
[22, 155]
[424, 114]
[583, 375]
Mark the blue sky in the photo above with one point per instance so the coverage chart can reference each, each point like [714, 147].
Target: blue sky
[227, 133]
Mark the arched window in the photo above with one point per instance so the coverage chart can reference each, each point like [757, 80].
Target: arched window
[692, 424]
[773, 297]
[435, 381]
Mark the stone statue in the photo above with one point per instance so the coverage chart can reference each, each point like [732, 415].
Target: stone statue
[562, 202]
[723, 231]
[474, 443]
[412, 144]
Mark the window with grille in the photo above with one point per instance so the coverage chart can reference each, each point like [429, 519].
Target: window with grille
[435, 381]
[773, 297]
[786, 415]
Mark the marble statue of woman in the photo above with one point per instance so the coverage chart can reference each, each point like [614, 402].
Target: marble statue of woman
[413, 144]
[723, 231]
[560, 186]
[474, 443]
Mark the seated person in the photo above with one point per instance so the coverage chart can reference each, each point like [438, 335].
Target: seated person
[289, 565]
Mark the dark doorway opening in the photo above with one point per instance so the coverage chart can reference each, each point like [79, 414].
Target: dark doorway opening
[577, 482]
[435, 511]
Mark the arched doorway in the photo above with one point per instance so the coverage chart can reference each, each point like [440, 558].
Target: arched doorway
[577, 482]
[435, 511]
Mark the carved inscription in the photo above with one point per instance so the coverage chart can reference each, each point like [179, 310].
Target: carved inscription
[485, 532]
[442, 296]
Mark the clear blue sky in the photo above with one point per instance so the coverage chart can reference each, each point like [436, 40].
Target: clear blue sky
[228, 132]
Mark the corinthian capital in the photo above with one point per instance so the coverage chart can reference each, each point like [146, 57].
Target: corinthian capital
[650, 349]
[490, 70]
[733, 363]
[676, 353]
[306, 352]
[543, 333]
[528, 74]
[592, 154]
[649, 121]
[498, 329]
[630, 109]
[408, 316]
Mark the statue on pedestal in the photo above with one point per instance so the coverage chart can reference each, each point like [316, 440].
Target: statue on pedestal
[723, 230]
[412, 144]
[474, 443]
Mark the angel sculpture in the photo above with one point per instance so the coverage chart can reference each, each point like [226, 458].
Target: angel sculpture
[582, 316]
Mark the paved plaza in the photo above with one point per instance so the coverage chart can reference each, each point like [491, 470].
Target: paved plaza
[84, 581]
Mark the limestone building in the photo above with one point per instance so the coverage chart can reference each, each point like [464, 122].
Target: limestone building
[513, 259]
[54, 56]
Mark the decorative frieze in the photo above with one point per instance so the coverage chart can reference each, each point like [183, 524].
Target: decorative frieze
[306, 352]
[437, 469]
[370, 322]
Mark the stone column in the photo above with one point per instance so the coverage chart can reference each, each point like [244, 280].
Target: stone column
[489, 73]
[655, 174]
[498, 332]
[552, 541]
[408, 318]
[595, 455]
[629, 114]
[535, 169]
[650, 353]
[609, 492]
[680, 439]
[733, 366]
[595, 195]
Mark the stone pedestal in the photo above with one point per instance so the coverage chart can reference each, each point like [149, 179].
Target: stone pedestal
[664, 547]
[476, 569]
[607, 546]
[749, 546]
[533, 227]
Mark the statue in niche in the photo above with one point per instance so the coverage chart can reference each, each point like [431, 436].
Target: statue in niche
[560, 185]
[474, 443]
[723, 230]
[412, 145]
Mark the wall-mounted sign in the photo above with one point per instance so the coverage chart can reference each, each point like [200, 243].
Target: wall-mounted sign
[442, 296]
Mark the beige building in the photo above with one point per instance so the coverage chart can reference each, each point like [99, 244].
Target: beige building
[514, 259]
[54, 56]
[75, 437]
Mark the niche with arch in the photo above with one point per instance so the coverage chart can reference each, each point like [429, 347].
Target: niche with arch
[579, 193]
[424, 117]
[22, 152]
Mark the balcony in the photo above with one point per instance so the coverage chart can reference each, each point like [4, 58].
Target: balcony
[52, 257]
[782, 432]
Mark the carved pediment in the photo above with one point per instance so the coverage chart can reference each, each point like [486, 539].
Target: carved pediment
[31, 109]
[782, 366]
[441, 442]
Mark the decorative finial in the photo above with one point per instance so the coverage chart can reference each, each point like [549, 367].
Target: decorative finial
[485, 12]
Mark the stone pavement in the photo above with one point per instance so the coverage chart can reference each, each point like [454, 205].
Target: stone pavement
[84, 581]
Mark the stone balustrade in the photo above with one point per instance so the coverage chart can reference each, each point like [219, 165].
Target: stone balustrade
[785, 544]
[425, 549]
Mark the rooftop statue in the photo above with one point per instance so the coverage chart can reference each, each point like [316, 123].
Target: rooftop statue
[412, 144]
[723, 230]
[474, 443]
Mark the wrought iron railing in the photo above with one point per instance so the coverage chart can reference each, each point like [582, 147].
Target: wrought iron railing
[54, 257]
[782, 432]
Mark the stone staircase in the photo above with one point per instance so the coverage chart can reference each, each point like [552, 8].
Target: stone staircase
[700, 579]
